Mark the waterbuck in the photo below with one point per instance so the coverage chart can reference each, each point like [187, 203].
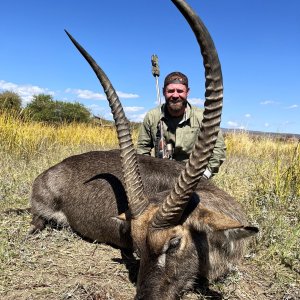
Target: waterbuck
[181, 226]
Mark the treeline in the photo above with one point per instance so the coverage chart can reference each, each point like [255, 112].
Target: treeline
[44, 108]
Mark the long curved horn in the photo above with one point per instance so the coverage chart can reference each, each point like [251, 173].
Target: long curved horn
[170, 211]
[134, 186]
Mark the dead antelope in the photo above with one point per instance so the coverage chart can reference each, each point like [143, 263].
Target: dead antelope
[182, 227]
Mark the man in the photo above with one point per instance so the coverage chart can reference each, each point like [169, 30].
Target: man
[180, 122]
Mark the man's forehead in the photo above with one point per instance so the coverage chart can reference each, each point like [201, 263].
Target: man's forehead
[176, 86]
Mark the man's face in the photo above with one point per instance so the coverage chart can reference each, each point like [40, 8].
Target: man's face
[176, 98]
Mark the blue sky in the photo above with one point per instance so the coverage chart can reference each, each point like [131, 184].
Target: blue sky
[258, 43]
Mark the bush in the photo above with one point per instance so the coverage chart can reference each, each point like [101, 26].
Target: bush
[44, 108]
[10, 101]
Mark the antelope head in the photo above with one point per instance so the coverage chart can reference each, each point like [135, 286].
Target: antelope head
[176, 236]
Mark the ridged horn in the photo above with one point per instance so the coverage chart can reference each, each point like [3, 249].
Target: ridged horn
[171, 210]
[133, 183]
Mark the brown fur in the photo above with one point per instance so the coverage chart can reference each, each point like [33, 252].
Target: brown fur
[86, 192]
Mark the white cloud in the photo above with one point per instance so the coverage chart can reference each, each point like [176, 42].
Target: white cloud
[137, 117]
[232, 124]
[4, 85]
[127, 95]
[235, 125]
[25, 91]
[268, 102]
[87, 94]
[292, 106]
[129, 110]
[247, 116]
[196, 101]
[133, 108]
[267, 124]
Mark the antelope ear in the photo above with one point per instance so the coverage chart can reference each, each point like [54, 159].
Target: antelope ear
[241, 233]
[215, 220]
[220, 222]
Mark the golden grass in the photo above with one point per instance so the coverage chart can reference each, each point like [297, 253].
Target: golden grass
[262, 173]
[27, 138]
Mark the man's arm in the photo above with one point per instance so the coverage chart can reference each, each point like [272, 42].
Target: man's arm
[217, 158]
[145, 142]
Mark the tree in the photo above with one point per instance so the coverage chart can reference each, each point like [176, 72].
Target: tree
[10, 101]
[41, 108]
[44, 108]
[74, 112]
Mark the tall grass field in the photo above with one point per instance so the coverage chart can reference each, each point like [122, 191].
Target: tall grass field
[262, 173]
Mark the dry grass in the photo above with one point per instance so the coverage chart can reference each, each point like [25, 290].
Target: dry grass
[262, 174]
[59, 265]
[26, 138]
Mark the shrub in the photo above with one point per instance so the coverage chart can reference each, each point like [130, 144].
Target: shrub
[43, 108]
[10, 101]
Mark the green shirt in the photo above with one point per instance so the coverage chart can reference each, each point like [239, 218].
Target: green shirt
[181, 132]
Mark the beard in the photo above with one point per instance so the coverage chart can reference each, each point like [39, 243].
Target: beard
[176, 105]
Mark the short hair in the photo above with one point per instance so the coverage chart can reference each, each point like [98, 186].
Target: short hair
[176, 77]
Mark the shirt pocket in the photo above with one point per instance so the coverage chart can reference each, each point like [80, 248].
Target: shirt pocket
[189, 137]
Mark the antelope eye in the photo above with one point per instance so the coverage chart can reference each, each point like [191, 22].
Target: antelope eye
[174, 244]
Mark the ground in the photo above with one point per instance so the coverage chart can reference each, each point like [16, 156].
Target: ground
[57, 264]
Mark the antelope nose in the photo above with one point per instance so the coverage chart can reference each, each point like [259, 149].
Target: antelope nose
[139, 297]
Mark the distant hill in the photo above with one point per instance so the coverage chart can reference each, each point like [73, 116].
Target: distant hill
[281, 136]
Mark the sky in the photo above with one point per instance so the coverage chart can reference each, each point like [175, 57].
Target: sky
[258, 44]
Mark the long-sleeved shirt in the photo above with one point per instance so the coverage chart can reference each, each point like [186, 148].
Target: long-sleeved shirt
[180, 132]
